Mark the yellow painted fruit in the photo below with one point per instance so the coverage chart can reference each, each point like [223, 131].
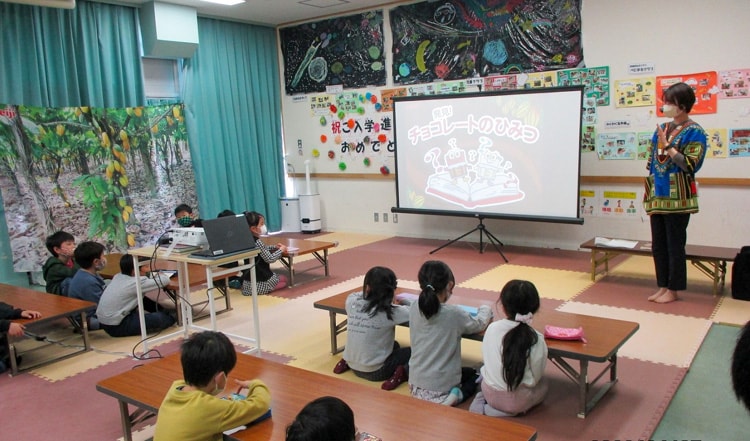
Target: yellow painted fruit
[176, 112]
[105, 140]
[154, 129]
[60, 130]
[125, 216]
[131, 240]
[124, 181]
[138, 112]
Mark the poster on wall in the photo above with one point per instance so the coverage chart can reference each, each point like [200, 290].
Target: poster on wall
[109, 175]
[703, 84]
[346, 51]
[595, 81]
[459, 39]
[739, 143]
[717, 143]
[638, 92]
[619, 204]
[616, 145]
[734, 83]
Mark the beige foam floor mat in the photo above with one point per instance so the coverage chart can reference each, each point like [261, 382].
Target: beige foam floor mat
[732, 311]
[661, 338]
[551, 283]
[643, 267]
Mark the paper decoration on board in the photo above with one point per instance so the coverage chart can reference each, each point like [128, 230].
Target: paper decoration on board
[320, 104]
[387, 95]
[734, 83]
[644, 145]
[459, 39]
[589, 115]
[704, 85]
[622, 204]
[717, 143]
[739, 143]
[588, 138]
[637, 92]
[536, 80]
[594, 79]
[587, 200]
[500, 82]
[346, 51]
[616, 145]
[357, 129]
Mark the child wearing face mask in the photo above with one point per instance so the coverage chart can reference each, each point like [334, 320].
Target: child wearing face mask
[60, 268]
[87, 284]
[267, 280]
[185, 217]
[191, 410]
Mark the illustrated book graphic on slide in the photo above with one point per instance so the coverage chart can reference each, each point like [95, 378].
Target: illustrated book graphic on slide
[471, 178]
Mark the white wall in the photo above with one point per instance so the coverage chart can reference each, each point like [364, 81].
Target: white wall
[679, 36]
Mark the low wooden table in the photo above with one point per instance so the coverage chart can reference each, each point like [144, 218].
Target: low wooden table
[52, 307]
[319, 250]
[388, 415]
[604, 338]
[711, 261]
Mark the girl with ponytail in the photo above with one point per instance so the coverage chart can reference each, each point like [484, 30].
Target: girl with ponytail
[435, 328]
[515, 356]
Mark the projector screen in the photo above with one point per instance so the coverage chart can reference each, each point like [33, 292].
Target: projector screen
[509, 155]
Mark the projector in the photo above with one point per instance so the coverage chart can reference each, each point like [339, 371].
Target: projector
[189, 236]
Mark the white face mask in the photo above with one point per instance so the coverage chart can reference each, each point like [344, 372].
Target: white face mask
[263, 230]
[102, 263]
[670, 110]
[217, 390]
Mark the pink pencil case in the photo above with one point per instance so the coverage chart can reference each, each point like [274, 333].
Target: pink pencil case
[558, 333]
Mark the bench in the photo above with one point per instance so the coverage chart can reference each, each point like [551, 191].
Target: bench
[711, 261]
[604, 336]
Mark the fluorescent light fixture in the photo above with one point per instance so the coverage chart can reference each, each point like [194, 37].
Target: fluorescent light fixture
[225, 2]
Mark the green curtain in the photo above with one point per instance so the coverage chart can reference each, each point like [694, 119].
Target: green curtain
[232, 106]
[68, 57]
[58, 57]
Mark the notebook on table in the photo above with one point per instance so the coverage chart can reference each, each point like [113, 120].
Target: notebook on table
[226, 236]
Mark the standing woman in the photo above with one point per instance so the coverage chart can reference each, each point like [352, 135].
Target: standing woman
[677, 152]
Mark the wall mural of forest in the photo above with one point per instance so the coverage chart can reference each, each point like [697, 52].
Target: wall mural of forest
[109, 175]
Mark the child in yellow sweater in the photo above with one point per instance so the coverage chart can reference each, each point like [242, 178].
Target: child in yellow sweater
[192, 410]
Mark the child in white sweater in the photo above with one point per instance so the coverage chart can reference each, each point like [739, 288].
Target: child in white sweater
[514, 356]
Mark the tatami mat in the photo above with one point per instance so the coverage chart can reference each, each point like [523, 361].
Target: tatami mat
[553, 284]
[661, 338]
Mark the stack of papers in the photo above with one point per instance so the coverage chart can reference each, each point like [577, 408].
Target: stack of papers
[615, 243]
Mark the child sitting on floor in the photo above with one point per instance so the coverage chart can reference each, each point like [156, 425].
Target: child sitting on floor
[267, 280]
[514, 356]
[60, 268]
[435, 372]
[191, 411]
[87, 284]
[325, 418]
[371, 350]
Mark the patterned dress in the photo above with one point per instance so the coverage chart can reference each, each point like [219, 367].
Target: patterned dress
[669, 187]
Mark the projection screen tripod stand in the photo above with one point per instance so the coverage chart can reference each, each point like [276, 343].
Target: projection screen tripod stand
[482, 231]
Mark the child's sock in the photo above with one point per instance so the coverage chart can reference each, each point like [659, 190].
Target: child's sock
[454, 397]
[477, 406]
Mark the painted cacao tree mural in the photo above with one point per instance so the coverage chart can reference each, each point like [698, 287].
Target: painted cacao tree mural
[111, 175]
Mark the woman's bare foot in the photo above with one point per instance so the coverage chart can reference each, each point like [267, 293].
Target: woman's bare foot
[657, 294]
[667, 297]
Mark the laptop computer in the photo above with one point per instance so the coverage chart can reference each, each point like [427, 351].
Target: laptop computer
[226, 236]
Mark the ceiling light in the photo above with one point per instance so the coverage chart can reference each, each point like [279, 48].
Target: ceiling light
[225, 2]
